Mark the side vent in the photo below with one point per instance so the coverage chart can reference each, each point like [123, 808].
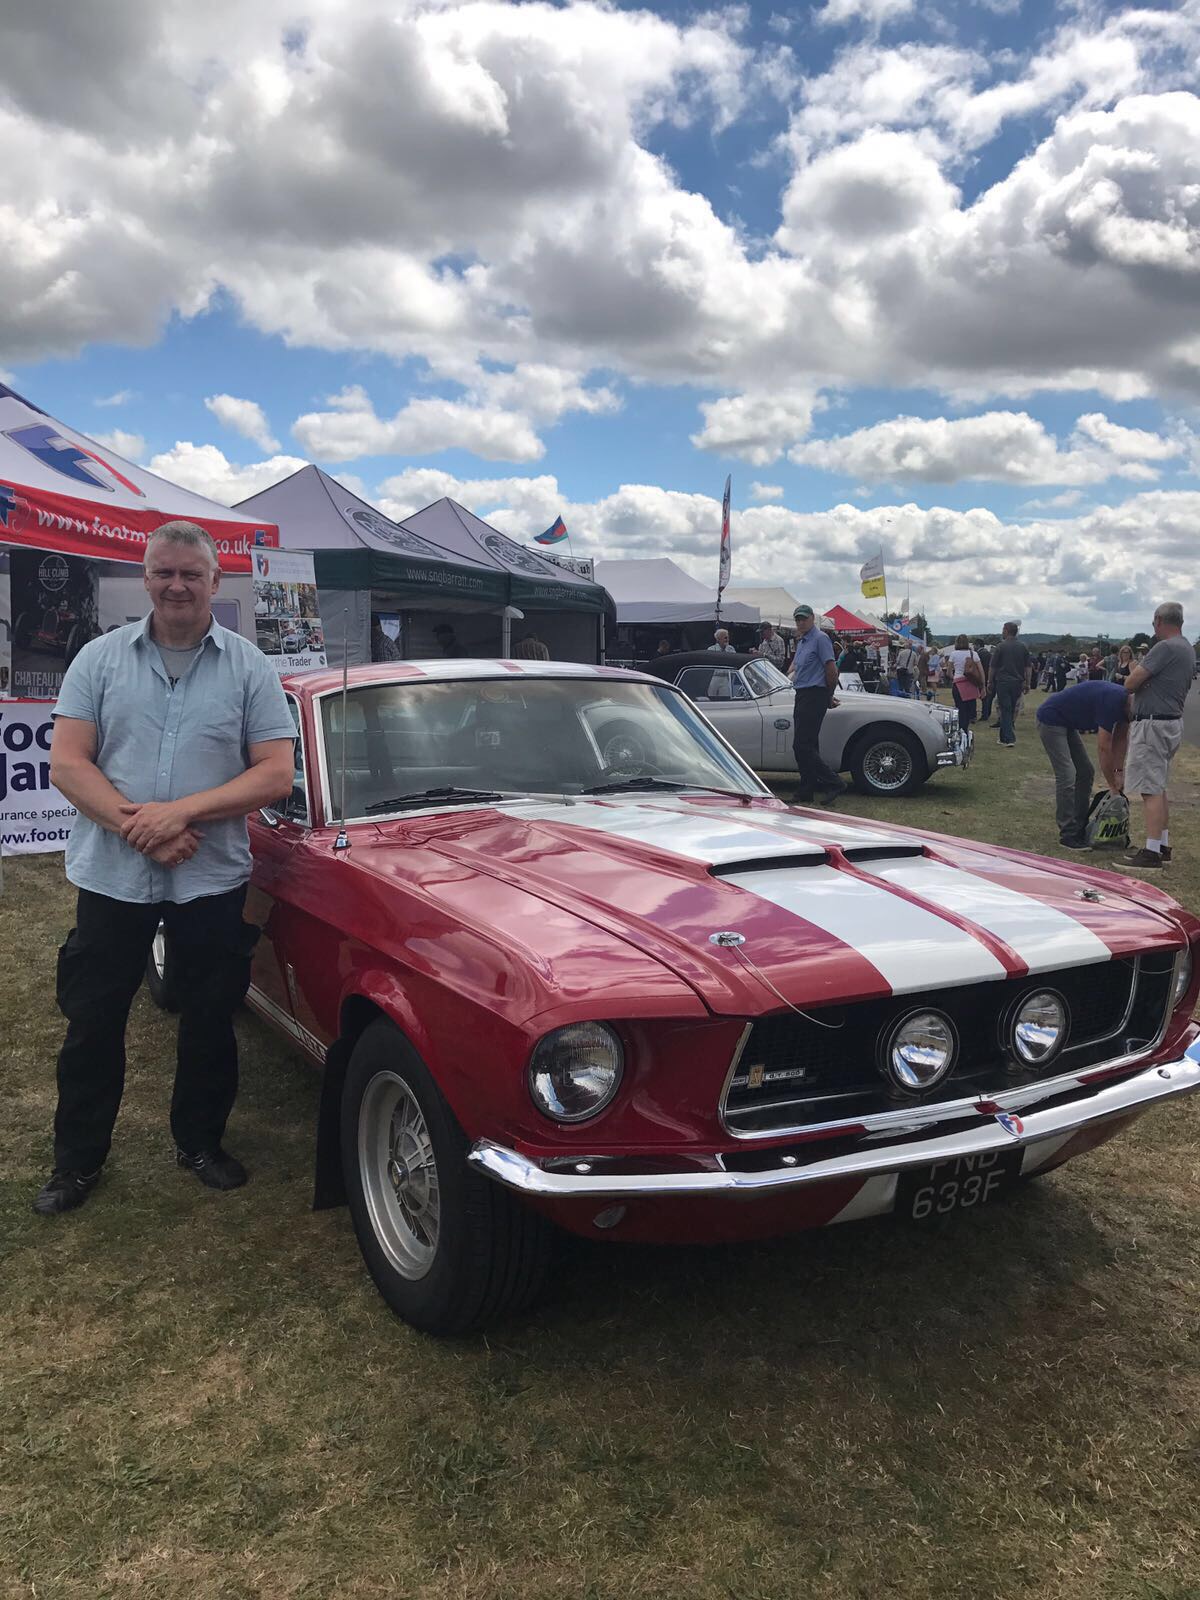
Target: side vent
[731, 869]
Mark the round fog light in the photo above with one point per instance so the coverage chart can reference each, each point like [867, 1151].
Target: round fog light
[920, 1050]
[575, 1071]
[1039, 1027]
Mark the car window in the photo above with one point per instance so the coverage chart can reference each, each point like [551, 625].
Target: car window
[764, 677]
[296, 806]
[518, 735]
[709, 683]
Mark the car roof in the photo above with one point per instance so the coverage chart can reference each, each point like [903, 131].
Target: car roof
[449, 669]
[662, 665]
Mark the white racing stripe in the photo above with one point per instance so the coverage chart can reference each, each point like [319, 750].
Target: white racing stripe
[1044, 937]
[697, 834]
[910, 947]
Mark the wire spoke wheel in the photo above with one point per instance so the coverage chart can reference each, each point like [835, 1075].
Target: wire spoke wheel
[399, 1175]
[888, 765]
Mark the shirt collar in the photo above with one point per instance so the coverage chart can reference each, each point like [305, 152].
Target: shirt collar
[215, 632]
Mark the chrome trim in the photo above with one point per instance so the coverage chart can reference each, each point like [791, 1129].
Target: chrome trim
[284, 1021]
[1156, 1084]
[909, 1118]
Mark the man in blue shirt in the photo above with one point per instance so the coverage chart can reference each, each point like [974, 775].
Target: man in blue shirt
[167, 733]
[814, 674]
[1061, 719]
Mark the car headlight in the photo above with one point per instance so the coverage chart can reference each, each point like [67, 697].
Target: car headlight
[1183, 975]
[1039, 1027]
[920, 1050]
[575, 1071]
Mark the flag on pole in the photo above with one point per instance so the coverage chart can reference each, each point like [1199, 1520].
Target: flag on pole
[554, 534]
[870, 575]
[726, 553]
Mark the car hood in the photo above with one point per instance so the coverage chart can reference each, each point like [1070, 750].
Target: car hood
[822, 908]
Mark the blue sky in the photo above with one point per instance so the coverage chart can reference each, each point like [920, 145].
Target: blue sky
[919, 275]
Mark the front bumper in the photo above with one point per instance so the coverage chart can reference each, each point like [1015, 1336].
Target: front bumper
[1166, 1081]
[959, 753]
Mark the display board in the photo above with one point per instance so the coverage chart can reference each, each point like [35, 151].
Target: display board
[287, 611]
[54, 614]
[34, 817]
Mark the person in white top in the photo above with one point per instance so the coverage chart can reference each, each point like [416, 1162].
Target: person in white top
[721, 641]
[966, 680]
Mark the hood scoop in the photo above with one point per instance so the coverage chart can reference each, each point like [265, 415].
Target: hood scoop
[882, 852]
[785, 860]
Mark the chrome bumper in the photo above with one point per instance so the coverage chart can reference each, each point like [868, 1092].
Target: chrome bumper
[959, 754]
[1164, 1082]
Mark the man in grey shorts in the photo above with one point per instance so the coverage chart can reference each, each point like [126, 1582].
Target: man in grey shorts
[1159, 686]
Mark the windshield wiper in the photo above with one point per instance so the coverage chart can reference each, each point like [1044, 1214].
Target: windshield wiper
[657, 783]
[421, 797]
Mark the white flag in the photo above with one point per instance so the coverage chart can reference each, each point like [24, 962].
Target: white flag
[871, 569]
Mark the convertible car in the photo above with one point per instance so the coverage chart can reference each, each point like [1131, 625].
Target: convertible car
[643, 1000]
[888, 746]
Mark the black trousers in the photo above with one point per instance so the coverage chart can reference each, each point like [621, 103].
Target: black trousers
[811, 706]
[100, 968]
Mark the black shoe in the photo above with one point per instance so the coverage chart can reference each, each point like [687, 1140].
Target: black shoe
[827, 796]
[1075, 842]
[1144, 859]
[64, 1191]
[213, 1167]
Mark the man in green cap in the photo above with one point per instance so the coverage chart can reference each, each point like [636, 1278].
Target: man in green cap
[814, 676]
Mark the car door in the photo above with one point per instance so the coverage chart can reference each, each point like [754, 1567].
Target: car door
[726, 700]
[275, 832]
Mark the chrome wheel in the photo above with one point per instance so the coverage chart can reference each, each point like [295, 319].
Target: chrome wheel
[888, 765]
[621, 750]
[158, 953]
[399, 1175]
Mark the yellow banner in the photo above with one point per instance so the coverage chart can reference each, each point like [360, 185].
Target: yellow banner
[873, 589]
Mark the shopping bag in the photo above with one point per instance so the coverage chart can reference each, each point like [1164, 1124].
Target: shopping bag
[1107, 826]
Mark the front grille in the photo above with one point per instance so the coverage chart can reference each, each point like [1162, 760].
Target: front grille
[795, 1071]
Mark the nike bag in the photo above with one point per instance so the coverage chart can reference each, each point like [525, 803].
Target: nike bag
[1108, 822]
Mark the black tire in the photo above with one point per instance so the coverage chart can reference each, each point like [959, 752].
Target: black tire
[76, 639]
[160, 978]
[888, 761]
[446, 1265]
[22, 631]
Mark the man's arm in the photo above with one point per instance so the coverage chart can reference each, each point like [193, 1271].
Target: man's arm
[1136, 679]
[74, 773]
[831, 680]
[267, 779]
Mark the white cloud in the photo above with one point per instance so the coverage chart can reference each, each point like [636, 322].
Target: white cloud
[1055, 502]
[766, 491]
[246, 417]
[130, 445]
[122, 397]
[205, 470]
[969, 568]
[352, 429]
[756, 427]
[873, 12]
[996, 447]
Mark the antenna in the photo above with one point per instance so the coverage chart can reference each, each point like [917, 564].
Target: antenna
[342, 841]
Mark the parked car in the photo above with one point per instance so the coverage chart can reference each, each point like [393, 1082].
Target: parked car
[546, 991]
[888, 746]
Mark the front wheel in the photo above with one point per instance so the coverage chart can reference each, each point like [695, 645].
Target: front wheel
[888, 762]
[448, 1249]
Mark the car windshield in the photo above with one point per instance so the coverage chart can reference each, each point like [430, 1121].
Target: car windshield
[516, 736]
[764, 677]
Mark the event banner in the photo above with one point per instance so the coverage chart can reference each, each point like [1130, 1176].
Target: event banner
[54, 615]
[34, 817]
[61, 522]
[5, 629]
[287, 613]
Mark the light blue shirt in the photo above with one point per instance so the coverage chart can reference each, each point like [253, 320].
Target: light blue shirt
[155, 742]
[813, 650]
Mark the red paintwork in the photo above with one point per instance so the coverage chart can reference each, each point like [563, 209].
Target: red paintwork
[477, 932]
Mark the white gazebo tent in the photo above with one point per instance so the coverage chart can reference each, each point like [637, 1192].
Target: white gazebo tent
[775, 604]
[656, 591]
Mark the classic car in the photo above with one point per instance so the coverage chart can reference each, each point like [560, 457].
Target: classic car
[889, 746]
[657, 1004]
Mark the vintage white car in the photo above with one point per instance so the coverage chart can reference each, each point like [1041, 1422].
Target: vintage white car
[887, 745]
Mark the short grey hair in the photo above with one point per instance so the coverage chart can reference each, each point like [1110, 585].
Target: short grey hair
[180, 532]
[1170, 612]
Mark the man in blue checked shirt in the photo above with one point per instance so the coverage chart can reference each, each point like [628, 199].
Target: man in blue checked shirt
[814, 674]
[166, 734]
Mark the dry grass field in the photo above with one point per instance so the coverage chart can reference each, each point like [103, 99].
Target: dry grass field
[202, 1395]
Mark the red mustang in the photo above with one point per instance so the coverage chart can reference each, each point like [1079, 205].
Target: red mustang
[651, 1002]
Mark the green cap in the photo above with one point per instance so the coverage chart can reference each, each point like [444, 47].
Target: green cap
[803, 611]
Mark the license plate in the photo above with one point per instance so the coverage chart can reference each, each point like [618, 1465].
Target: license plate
[957, 1185]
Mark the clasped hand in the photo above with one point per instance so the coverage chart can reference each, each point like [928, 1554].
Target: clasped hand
[160, 829]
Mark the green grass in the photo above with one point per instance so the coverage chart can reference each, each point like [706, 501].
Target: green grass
[202, 1394]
